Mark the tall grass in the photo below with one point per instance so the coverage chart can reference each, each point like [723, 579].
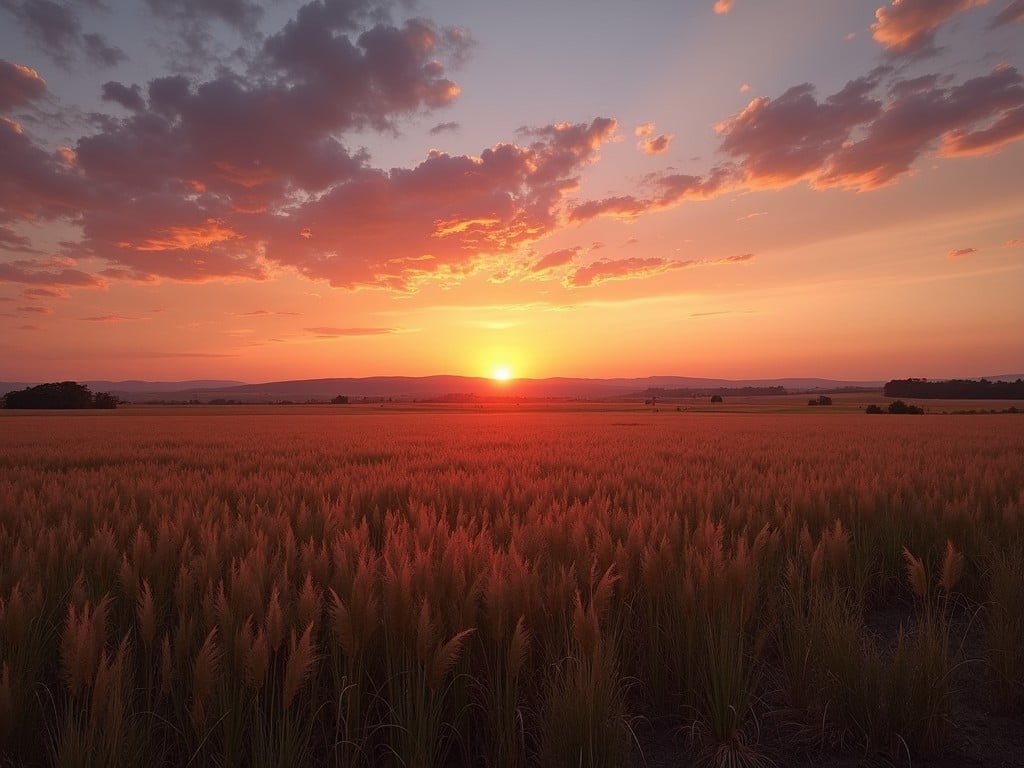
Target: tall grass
[496, 589]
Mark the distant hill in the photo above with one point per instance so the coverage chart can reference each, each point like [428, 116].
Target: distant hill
[408, 388]
[131, 386]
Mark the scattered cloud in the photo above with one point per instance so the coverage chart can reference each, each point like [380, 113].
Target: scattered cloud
[754, 215]
[12, 242]
[745, 88]
[1013, 13]
[1015, 242]
[56, 28]
[19, 85]
[45, 293]
[327, 332]
[960, 253]
[854, 139]
[35, 310]
[621, 269]
[737, 259]
[447, 127]
[554, 259]
[909, 26]
[650, 144]
[110, 319]
[723, 6]
[45, 273]
[667, 191]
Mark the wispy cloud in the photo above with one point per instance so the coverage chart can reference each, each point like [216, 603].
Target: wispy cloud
[329, 332]
[961, 253]
[909, 26]
[111, 319]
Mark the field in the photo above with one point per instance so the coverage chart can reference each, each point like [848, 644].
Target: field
[507, 587]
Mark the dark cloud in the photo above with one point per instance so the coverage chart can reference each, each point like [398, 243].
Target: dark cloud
[57, 29]
[447, 127]
[241, 14]
[19, 85]
[35, 184]
[12, 242]
[128, 97]
[908, 26]
[1013, 13]
[45, 273]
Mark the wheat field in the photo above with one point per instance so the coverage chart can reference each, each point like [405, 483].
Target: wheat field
[282, 587]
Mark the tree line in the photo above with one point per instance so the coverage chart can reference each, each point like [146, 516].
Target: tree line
[59, 394]
[956, 389]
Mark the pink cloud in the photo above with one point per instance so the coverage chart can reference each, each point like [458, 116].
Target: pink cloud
[780, 141]
[853, 139]
[441, 218]
[1015, 242]
[916, 119]
[723, 6]
[19, 85]
[745, 88]
[1009, 127]
[655, 145]
[554, 259]
[960, 253]
[667, 191]
[35, 310]
[110, 319]
[649, 143]
[621, 269]
[909, 26]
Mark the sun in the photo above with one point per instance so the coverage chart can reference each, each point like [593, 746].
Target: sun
[502, 373]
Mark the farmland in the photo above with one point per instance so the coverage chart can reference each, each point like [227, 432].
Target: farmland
[490, 587]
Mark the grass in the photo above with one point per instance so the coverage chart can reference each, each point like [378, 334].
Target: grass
[498, 588]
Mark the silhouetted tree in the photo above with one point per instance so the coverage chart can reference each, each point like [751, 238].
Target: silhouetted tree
[898, 406]
[340, 400]
[104, 400]
[716, 398]
[59, 394]
[873, 409]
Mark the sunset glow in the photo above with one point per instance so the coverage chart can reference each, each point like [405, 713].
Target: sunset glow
[263, 191]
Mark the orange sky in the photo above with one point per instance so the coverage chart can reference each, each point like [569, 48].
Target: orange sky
[262, 191]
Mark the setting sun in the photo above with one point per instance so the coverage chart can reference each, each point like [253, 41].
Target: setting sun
[502, 373]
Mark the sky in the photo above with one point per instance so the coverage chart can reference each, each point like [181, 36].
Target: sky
[259, 191]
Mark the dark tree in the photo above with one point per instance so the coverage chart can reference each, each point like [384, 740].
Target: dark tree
[104, 400]
[716, 398]
[59, 394]
[898, 406]
[873, 409]
[340, 400]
